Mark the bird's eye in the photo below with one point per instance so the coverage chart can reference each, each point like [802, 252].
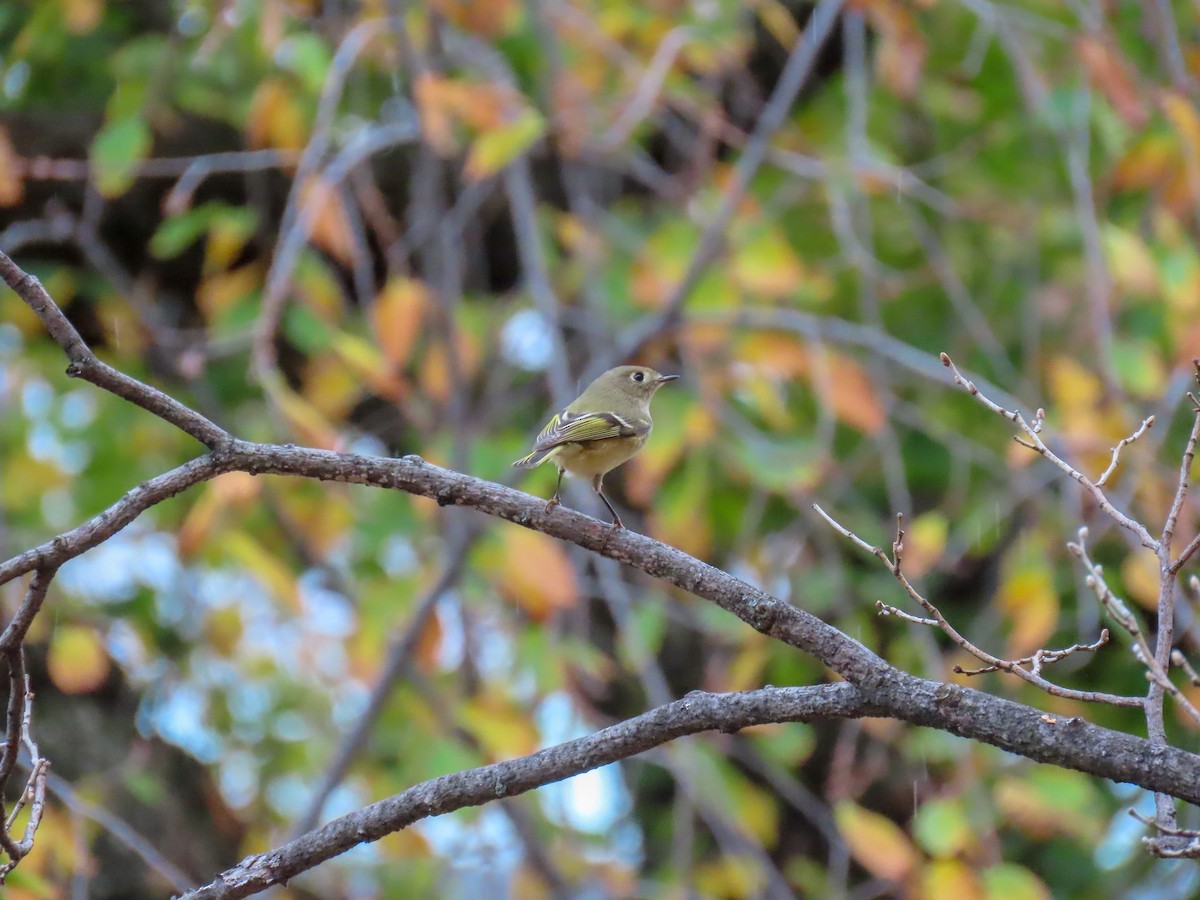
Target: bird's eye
[638, 376]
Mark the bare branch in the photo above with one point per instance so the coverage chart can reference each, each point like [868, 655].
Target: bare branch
[795, 73]
[1017, 667]
[1120, 612]
[1034, 442]
[84, 364]
[1116, 451]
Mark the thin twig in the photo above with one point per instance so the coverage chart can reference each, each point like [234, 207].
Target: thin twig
[993, 663]
[1033, 441]
[1116, 451]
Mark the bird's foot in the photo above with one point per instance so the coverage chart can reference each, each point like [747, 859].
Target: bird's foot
[552, 502]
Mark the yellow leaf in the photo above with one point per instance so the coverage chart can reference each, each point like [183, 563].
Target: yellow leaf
[268, 569]
[950, 879]
[308, 423]
[77, 661]
[535, 573]
[497, 147]
[924, 542]
[396, 317]
[731, 876]
[840, 381]
[1140, 575]
[1029, 600]
[275, 118]
[1183, 116]
[766, 264]
[746, 669]
[503, 728]
[878, 844]
[221, 291]
[1042, 814]
[1130, 262]
[1148, 163]
[330, 386]
[223, 630]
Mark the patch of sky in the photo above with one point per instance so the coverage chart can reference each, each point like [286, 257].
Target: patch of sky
[483, 851]
[179, 717]
[36, 398]
[77, 410]
[192, 22]
[343, 799]
[398, 557]
[526, 340]
[239, 778]
[290, 726]
[350, 704]
[328, 612]
[15, 80]
[58, 508]
[125, 645]
[367, 445]
[331, 660]
[592, 802]
[453, 647]
[10, 340]
[115, 570]
[289, 796]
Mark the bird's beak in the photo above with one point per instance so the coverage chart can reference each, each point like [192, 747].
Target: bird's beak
[663, 379]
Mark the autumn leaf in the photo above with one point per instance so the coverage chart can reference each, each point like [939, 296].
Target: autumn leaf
[397, 315]
[878, 843]
[12, 188]
[535, 573]
[77, 661]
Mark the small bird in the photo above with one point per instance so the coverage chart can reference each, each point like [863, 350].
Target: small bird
[604, 427]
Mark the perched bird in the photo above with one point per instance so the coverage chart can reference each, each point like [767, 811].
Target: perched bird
[604, 427]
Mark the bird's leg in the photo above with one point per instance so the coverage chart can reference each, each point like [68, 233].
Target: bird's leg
[554, 501]
[616, 522]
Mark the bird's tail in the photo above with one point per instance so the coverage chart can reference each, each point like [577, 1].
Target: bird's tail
[533, 459]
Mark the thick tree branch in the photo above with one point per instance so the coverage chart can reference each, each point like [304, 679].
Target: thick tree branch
[874, 687]
[694, 713]
[969, 713]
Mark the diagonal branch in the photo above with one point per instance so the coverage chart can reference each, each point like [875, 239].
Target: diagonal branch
[84, 364]
[473, 787]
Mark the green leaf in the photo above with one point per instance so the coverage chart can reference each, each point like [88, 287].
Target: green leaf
[941, 827]
[117, 152]
[494, 150]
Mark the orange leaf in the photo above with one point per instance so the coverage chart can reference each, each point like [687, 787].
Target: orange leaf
[12, 189]
[877, 843]
[535, 573]
[397, 315]
[487, 18]
[901, 54]
[328, 226]
[1108, 71]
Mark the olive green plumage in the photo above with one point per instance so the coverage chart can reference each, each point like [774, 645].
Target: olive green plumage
[604, 427]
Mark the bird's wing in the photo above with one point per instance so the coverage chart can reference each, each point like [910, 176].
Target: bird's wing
[579, 428]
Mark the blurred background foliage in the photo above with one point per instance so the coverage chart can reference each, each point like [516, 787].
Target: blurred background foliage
[416, 234]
